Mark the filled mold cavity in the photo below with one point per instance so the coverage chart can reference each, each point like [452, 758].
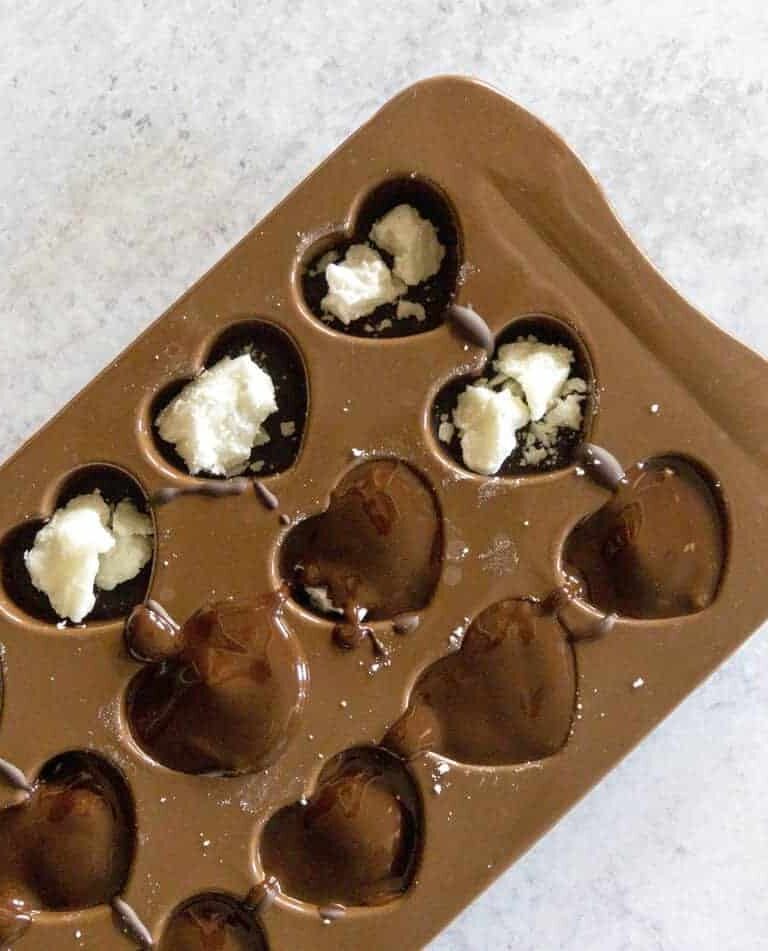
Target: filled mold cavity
[657, 548]
[243, 414]
[212, 922]
[395, 272]
[528, 411]
[506, 697]
[69, 845]
[223, 693]
[110, 539]
[375, 553]
[356, 841]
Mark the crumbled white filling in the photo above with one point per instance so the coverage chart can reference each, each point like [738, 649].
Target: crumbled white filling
[288, 428]
[412, 241]
[320, 599]
[132, 531]
[487, 421]
[445, 431]
[541, 369]
[410, 308]
[87, 544]
[534, 376]
[359, 284]
[216, 420]
[330, 257]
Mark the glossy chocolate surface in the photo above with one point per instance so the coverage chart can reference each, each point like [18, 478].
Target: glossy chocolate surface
[259, 773]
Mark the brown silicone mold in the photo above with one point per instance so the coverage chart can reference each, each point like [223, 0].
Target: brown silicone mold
[212, 760]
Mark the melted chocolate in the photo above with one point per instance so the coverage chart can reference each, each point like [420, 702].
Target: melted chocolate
[358, 839]
[657, 549]
[213, 489]
[212, 923]
[471, 326]
[602, 467]
[377, 547]
[506, 697]
[230, 697]
[151, 634]
[69, 846]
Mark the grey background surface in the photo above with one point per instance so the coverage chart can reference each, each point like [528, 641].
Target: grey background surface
[139, 141]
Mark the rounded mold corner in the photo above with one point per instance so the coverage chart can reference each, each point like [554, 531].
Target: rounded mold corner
[225, 696]
[23, 603]
[77, 830]
[564, 457]
[374, 553]
[356, 842]
[434, 295]
[276, 352]
[214, 920]
[658, 548]
[505, 697]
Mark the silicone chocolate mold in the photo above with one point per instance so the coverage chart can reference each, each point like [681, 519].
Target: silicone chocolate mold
[359, 679]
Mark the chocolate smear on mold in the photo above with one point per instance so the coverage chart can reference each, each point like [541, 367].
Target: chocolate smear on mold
[405, 623]
[268, 497]
[14, 776]
[151, 634]
[130, 922]
[601, 466]
[213, 489]
[471, 326]
[263, 895]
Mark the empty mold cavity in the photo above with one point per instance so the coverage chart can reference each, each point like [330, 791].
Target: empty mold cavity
[212, 922]
[548, 330]
[224, 695]
[356, 841]
[69, 845]
[433, 295]
[375, 552]
[507, 696]
[114, 486]
[276, 353]
[657, 548]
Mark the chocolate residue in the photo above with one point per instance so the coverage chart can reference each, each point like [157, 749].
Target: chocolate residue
[330, 913]
[69, 845]
[601, 466]
[405, 623]
[13, 775]
[357, 841]
[231, 697]
[378, 546]
[507, 696]
[129, 922]
[268, 497]
[471, 326]
[263, 895]
[656, 549]
[212, 488]
[151, 634]
[212, 923]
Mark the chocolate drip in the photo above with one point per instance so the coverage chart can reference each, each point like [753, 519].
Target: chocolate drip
[130, 922]
[211, 488]
[405, 623]
[13, 775]
[268, 497]
[471, 326]
[601, 466]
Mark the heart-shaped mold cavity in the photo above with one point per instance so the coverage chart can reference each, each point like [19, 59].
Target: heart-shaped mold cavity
[68, 846]
[212, 922]
[225, 691]
[657, 549]
[431, 297]
[542, 445]
[115, 485]
[357, 841]
[507, 696]
[277, 354]
[376, 551]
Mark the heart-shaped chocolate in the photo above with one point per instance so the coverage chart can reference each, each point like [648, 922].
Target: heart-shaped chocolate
[276, 353]
[507, 696]
[541, 446]
[376, 551]
[431, 296]
[657, 549]
[222, 694]
[114, 485]
[69, 845]
[357, 841]
[212, 923]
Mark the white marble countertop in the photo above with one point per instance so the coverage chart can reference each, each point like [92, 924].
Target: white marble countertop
[141, 140]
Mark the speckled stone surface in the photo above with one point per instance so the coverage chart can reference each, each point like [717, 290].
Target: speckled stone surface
[141, 140]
